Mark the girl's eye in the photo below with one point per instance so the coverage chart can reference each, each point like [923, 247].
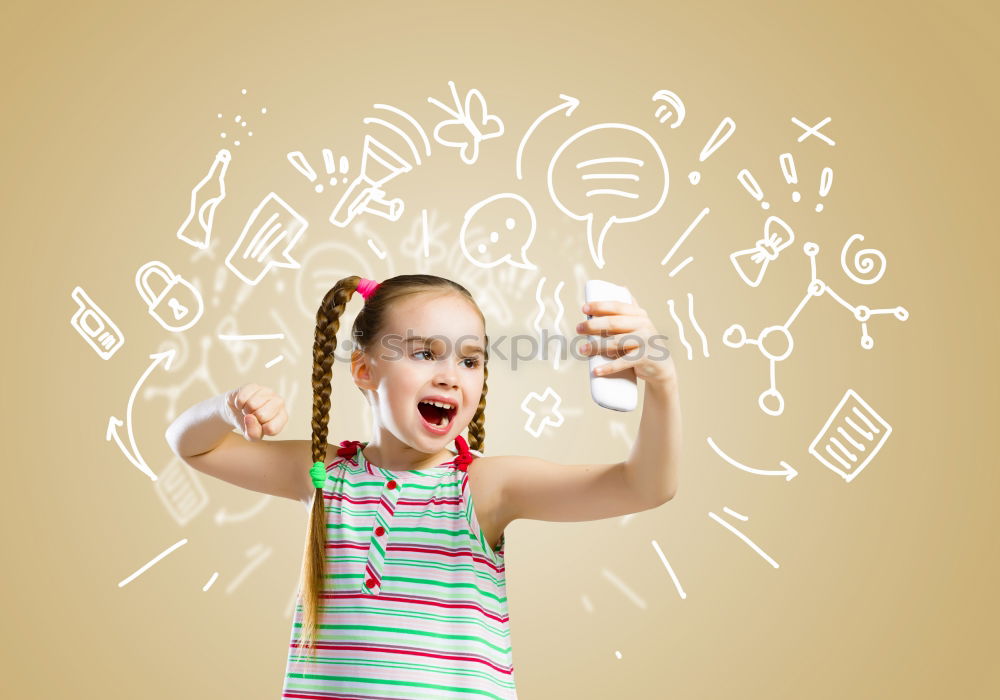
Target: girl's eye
[473, 360]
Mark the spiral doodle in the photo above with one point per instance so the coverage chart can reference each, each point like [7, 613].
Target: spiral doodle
[864, 262]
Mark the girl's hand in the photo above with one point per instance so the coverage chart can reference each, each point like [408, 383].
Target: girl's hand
[257, 411]
[612, 318]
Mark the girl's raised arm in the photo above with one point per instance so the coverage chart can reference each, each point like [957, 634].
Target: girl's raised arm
[203, 437]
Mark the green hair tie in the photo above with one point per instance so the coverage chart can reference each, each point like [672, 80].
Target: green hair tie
[318, 474]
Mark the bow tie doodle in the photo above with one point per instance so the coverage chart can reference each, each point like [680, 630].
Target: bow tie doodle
[752, 263]
[471, 124]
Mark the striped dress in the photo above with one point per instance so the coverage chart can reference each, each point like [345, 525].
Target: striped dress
[419, 601]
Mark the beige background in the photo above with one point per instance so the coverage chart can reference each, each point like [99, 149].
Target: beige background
[886, 584]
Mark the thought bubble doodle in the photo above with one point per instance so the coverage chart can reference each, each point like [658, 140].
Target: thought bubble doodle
[509, 223]
[606, 190]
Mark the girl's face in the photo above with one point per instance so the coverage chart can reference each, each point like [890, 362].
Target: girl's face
[432, 346]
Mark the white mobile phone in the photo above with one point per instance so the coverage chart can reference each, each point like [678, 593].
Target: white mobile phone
[617, 391]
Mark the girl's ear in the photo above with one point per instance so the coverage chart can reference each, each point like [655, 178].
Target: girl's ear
[361, 370]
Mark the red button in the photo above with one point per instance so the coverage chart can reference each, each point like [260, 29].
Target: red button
[370, 583]
[380, 530]
[391, 484]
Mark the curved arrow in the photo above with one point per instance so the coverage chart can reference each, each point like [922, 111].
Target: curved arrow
[166, 358]
[787, 472]
[568, 103]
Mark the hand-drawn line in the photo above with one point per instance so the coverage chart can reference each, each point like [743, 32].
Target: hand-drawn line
[743, 537]
[683, 237]
[147, 565]
[813, 130]
[787, 471]
[132, 452]
[568, 103]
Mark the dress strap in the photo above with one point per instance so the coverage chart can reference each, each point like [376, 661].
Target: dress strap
[464, 456]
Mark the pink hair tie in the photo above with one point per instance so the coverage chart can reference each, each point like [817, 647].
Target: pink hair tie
[367, 287]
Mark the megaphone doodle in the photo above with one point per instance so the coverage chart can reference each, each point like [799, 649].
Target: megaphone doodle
[379, 164]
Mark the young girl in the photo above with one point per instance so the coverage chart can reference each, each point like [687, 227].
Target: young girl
[403, 585]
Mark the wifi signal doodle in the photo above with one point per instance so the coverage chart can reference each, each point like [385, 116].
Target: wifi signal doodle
[672, 104]
[379, 164]
[299, 162]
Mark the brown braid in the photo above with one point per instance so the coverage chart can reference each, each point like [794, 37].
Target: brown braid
[366, 329]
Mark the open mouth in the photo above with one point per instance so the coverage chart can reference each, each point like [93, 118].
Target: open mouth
[436, 414]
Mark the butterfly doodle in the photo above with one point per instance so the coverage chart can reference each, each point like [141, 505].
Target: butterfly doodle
[471, 124]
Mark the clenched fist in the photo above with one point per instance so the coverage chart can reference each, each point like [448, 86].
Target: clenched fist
[257, 411]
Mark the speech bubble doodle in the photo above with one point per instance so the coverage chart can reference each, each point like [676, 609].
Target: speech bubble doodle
[603, 191]
[507, 219]
[267, 240]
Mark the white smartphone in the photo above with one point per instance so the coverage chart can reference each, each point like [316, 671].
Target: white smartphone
[617, 391]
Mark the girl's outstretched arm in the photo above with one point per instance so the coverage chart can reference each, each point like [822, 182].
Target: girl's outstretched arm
[537, 489]
[652, 466]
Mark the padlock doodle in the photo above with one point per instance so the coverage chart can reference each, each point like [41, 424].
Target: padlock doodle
[176, 295]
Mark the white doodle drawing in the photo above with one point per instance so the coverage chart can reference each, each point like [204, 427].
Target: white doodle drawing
[171, 293]
[131, 451]
[670, 569]
[749, 183]
[672, 104]
[851, 437]
[813, 130]
[787, 164]
[470, 124]
[240, 122]
[375, 249]
[776, 342]
[721, 134]
[379, 164]
[550, 400]
[267, 240]
[517, 231]
[196, 229]
[694, 324]
[568, 104]
[536, 322]
[95, 326]
[259, 554]
[867, 261]
[128, 579]
[181, 492]
[679, 241]
[680, 266]
[301, 164]
[625, 591]
[402, 134]
[786, 469]
[751, 263]
[825, 181]
[750, 543]
[612, 205]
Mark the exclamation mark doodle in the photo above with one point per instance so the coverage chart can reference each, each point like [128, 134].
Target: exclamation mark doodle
[331, 166]
[722, 133]
[787, 164]
[751, 186]
[300, 163]
[825, 182]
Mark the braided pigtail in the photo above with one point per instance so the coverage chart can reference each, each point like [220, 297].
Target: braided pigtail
[477, 426]
[314, 567]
